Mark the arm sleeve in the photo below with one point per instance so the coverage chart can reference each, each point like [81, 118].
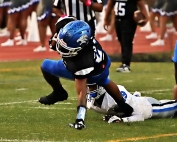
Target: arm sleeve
[133, 118]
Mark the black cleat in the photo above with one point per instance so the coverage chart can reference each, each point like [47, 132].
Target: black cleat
[54, 98]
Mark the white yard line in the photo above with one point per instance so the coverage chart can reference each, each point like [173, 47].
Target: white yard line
[31, 101]
[152, 91]
[12, 103]
[60, 108]
[74, 98]
[17, 140]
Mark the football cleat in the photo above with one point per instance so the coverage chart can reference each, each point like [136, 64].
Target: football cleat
[123, 68]
[54, 98]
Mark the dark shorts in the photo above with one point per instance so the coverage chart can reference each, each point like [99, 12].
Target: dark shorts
[158, 5]
[44, 9]
[5, 3]
[169, 8]
[19, 5]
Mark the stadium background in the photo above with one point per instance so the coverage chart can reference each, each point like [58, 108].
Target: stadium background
[142, 50]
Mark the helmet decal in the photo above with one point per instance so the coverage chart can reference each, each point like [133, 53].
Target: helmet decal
[83, 39]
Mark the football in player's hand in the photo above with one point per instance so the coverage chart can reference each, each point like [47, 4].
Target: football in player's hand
[139, 18]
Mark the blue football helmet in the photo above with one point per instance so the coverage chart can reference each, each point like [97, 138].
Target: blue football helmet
[72, 38]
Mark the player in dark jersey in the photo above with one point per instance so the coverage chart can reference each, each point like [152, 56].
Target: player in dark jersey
[125, 26]
[83, 61]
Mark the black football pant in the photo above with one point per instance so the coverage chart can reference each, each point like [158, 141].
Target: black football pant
[125, 29]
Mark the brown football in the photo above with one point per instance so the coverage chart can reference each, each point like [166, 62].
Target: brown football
[138, 17]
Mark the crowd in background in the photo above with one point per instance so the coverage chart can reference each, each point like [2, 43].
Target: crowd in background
[165, 11]
[162, 14]
[14, 14]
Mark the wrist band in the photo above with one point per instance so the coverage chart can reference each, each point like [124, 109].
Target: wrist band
[81, 112]
[88, 3]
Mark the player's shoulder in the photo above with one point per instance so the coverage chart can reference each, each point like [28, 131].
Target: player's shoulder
[121, 87]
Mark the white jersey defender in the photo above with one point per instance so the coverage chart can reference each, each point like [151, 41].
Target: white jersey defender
[144, 107]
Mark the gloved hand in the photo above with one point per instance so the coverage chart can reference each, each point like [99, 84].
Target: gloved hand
[107, 117]
[112, 118]
[52, 42]
[115, 119]
[79, 124]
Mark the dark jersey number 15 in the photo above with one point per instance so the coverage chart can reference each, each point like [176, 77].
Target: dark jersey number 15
[120, 8]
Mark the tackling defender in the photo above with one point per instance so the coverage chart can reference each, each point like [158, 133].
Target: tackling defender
[84, 62]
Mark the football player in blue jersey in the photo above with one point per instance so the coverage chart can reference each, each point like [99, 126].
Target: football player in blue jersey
[84, 62]
[174, 59]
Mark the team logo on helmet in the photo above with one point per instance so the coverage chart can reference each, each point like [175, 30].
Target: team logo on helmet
[83, 39]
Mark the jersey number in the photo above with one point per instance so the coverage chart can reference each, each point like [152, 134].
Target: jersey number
[120, 8]
[99, 55]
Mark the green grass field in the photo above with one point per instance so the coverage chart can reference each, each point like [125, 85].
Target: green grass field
[23, 119]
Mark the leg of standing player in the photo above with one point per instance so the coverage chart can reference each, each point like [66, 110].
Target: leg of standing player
[125, 30]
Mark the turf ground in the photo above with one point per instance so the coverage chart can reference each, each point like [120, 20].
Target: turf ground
[23, 119]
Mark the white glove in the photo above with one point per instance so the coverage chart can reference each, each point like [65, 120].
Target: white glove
[115, 119]
[79, 124]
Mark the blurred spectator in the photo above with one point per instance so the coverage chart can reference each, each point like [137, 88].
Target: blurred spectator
[45, 18]
[18, 13]
[32, 8]
[98, 14]
[150, 3]
[154, 12]
[111, 29]
[4, 5]
[108, 36]
[169, 10]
